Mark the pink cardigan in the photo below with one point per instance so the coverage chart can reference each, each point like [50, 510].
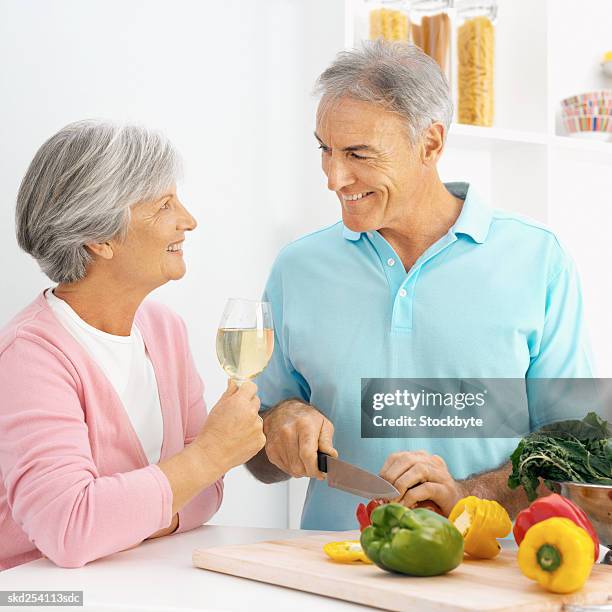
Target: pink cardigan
[75, 484]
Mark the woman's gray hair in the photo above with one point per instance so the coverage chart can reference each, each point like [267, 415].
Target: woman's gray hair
[398, 76]
[79, 189]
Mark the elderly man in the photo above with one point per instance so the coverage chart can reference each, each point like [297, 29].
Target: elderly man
[420, 279]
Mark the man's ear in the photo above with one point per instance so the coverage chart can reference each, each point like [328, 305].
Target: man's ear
[103, 250]
[433, 143]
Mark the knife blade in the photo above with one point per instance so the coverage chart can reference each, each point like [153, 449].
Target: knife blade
[352, 479]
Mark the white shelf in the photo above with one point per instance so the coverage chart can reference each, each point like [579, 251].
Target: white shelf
[475, 137]
[581, 144]
[490, 139]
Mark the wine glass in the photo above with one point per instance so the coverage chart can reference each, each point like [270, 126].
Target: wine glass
[245, 339]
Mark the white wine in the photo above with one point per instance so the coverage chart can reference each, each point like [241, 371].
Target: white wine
[245, 340]
[244, 353]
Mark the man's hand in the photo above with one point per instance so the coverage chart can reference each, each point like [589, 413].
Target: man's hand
[419, 476]
[294, 432]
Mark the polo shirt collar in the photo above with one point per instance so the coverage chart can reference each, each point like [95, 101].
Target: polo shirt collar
[473, 221]
[350, 234]
[475, 217]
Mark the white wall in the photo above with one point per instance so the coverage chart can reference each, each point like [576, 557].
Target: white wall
[577, 46]
[230, 83]
[580, 194]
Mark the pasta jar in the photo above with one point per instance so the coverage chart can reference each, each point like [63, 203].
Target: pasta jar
[388, 20]
[430, 29]
[476, 61]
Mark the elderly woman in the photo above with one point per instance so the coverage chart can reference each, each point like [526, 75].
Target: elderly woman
[420, 279]
[105, 438]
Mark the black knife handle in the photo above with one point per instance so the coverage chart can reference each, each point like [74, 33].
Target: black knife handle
[322, 461]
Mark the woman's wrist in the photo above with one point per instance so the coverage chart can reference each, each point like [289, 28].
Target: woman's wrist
[205, 461]
[190, 472]
[168, 530]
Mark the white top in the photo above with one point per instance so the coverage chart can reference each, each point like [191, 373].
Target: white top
[127, 365]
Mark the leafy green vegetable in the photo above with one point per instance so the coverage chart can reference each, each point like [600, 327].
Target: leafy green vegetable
[573, 450]
[592, 427]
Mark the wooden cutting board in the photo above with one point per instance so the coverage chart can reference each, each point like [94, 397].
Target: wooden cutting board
[301, 564]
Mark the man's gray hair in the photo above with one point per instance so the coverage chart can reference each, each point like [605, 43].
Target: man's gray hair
[79, 188]
[398, 76]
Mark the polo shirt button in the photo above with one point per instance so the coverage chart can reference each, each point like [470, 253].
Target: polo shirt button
[391, 261]
[403, 293]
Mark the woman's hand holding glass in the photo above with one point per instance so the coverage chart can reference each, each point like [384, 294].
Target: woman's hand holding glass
[233, 431]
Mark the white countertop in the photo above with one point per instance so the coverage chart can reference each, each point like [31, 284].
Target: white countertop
[158, 576]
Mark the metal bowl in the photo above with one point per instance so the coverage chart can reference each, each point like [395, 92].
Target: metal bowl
[596, 501]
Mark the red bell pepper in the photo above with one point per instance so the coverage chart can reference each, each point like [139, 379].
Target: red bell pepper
[553, 506]
[364, 513]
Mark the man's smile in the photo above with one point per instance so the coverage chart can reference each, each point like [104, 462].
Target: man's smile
[352, 197]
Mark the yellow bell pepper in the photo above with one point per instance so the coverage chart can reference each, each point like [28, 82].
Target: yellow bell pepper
[480, 522]
[557, 554]
[349, 551]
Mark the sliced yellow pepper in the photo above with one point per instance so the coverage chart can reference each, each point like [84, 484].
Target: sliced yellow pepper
[349, 551]
[481, 522]
[557, 554]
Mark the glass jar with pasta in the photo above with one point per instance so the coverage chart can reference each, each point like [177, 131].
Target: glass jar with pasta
[476, 61]
[430, 29]
[387, 19]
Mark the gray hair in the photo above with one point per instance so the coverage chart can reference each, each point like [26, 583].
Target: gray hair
[79, 189]
[399, 76]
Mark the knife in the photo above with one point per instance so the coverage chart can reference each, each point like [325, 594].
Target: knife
[347, 477]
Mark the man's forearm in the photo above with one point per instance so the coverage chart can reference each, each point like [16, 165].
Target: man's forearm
[260, 466]
[494, 485]
[265, 471]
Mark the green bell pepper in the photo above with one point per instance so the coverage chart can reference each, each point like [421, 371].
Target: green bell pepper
[418, 542]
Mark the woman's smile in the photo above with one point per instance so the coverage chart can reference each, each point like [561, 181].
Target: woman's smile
[176, 248]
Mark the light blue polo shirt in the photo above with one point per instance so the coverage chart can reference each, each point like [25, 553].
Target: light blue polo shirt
[496, 297]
